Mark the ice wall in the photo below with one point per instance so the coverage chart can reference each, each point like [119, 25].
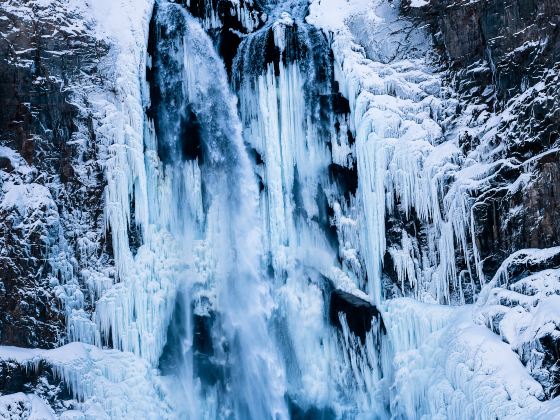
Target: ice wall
[234, 222]
[399, 111]
[414, 187]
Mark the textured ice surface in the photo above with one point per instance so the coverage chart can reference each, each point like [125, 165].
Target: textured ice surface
[107, 383]
[24, 406]
[257, 265]
[446, 366]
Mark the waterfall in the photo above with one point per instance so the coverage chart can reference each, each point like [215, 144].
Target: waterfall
[226, 357]
[247, 188]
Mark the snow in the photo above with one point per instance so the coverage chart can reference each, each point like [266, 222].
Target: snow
[550, 410]
[111, 382]
[19, 165]
[19, 406]
[446, 366]
[27, 199]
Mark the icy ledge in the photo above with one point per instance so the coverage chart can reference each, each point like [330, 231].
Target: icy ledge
[446, 366]
[103, 381]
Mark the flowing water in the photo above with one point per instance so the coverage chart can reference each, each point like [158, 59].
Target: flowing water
[241, 173]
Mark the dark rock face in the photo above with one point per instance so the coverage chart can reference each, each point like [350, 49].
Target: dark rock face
[514, 40]
[510, 218]
[502, 229]
[208, 358]
[359, 313]
[50, 177]
[40, 380]
[309, 413]
[502, 58]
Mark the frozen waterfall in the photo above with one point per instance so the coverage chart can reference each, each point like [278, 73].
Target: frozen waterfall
[259, 154]
[208, 200]
[248, 205]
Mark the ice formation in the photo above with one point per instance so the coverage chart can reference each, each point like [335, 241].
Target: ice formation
[398, 107]
[238, 207]
[101, 379]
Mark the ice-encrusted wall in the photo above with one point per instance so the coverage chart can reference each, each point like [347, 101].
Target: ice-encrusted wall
[456, 182]
[251, 243]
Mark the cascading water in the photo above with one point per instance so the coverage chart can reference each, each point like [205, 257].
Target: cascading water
[219, 339]
[253, 333]
[296, 124]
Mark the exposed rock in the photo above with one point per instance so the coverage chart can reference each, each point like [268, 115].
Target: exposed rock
[40, 381]
[505, 43]
[49, 170]
[31, 224]
[359, 313]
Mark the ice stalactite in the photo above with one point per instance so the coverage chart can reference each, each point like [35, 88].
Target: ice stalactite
[295, 123]
[281, 124]
[118, 124]
[399, 110]
[363, 360]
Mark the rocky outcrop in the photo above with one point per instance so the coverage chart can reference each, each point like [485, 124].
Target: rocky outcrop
[51, 224]
[505, 43]
[521, 305]
[358, 313]
[501, 57]
[40, 381]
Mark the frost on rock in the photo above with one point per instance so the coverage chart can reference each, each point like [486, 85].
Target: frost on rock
[521, 305]
[102, 383]
[67, 186]
[48, 164]
[22, 406]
